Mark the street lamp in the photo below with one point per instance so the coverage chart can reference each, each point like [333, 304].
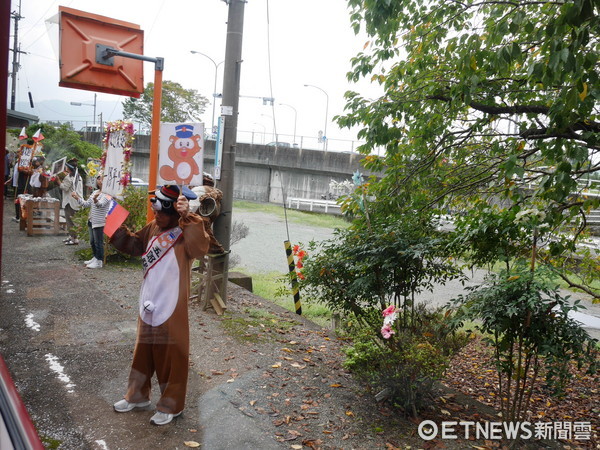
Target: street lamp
[272, 125]
[326, 112]
[295, 117]
[87, 104]
[215, 85]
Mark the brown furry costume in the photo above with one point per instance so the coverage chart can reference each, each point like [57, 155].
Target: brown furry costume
[162, 344]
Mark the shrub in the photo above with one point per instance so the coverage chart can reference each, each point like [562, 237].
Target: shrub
[363, 270]
[526, 320]
[404, 367]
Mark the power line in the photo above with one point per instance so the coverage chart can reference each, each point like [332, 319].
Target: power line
[32, 27]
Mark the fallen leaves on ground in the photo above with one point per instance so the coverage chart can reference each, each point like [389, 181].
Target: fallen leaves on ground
[472, 373]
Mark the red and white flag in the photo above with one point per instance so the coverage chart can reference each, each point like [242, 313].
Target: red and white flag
[114, 218]
[38, 136]
[23, 134]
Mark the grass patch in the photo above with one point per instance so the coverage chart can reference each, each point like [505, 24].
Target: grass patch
[269, 286]
[49, 443]
[308, 218]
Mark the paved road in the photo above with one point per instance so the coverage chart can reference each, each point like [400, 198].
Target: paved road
[263, 251]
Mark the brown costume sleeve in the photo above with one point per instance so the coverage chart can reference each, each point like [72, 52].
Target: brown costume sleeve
[133, 244]
[215, 246]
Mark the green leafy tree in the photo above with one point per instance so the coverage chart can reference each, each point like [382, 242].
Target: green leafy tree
[484, 101]
[177, 105]
[490, 112]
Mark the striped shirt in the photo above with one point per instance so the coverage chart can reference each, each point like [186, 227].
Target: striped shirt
[98, 209]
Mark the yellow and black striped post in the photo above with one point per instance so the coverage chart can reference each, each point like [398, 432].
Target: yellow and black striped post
[293, 276]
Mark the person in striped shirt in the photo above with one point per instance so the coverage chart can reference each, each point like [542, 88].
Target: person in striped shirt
[98, 203]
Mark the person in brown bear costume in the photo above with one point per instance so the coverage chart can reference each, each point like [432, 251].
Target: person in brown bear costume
[168, 246]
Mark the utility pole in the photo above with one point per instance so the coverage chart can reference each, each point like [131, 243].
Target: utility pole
[15, 60]
[229, 111]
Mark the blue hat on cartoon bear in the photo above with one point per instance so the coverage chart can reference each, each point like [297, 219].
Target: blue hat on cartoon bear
[184, 131]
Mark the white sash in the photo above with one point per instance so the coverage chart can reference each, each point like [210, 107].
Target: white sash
[158, 247]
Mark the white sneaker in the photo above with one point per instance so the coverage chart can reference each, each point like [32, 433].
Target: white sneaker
[97, 264]
[161, 418]
[89, 261]
[124, 406]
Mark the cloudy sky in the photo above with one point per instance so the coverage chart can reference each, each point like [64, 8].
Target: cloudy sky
[311, 42]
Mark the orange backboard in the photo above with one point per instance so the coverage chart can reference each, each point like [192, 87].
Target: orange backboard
[83, 35]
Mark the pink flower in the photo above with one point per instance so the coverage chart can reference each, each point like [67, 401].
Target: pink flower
[389, 311]
[386, 331]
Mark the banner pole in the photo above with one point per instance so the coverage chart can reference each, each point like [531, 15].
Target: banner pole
[154, 137]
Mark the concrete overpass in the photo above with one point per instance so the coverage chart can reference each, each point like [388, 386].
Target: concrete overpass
[263, 173]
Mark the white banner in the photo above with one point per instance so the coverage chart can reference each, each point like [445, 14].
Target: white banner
[181, 154]
[113, 168]
[219, 147]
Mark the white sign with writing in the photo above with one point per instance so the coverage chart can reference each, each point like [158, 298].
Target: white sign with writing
[25, 157]
[113, 168]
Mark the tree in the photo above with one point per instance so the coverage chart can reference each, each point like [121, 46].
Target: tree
[490, 112]
[486, 103]
[177, 105]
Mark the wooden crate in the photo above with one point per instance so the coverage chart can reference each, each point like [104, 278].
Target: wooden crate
[43, 217]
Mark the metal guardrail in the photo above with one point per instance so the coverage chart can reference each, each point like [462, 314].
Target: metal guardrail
[304, 142]
[311, 203]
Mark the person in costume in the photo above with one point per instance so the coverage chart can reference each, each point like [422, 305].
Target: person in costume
[168, 246]
[99, 205]
[71, 183]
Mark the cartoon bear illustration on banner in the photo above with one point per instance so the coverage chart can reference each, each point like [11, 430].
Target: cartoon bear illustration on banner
[181, 163]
